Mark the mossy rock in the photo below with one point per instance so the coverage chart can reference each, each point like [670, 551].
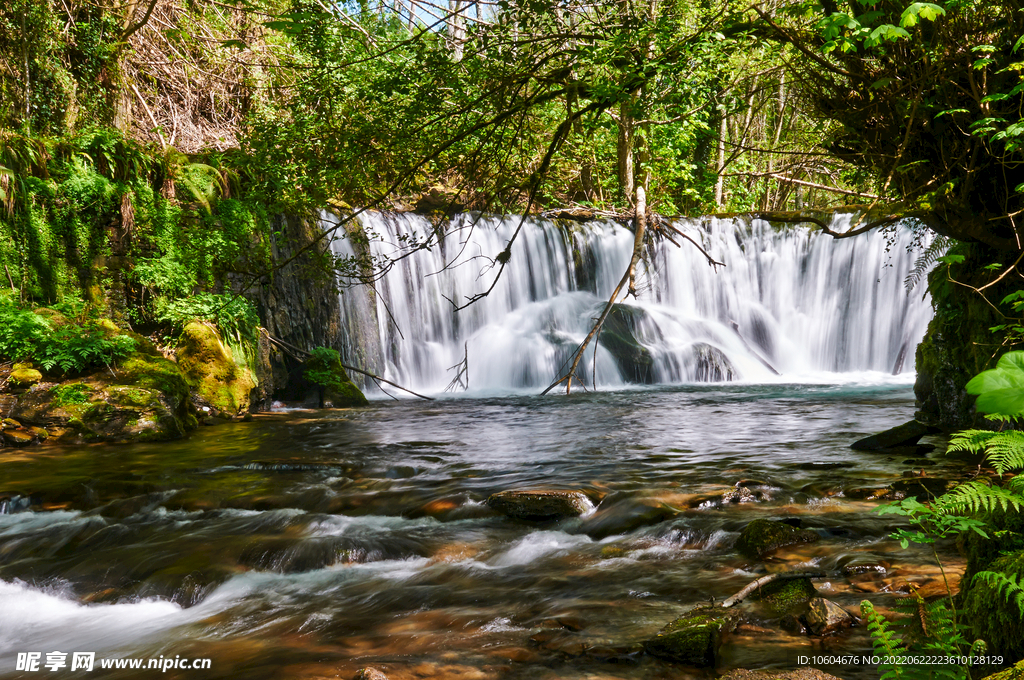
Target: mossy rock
[214, 377]
[992, 616]
[762, 537]
[24, 377]
[55, 318]
[146, 399]
[788, 596]
[693, 638]
[324, 369]
[1012, 673]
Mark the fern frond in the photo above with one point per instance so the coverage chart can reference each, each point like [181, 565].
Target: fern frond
[1005, 450]
[883, 639]
[973, 441]
[936, 249]
[976, 497]
[1008, 585]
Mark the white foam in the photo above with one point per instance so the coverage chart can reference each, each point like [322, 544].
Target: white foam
[537, 545]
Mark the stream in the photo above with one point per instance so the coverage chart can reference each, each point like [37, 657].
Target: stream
[309, 544]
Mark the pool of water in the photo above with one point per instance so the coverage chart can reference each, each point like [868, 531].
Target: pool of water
[309, 544]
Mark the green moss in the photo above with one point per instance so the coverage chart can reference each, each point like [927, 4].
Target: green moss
[763, 537]
[24, 377]
[694, 638]
[211, 371]
[991, 616]
[324, 369]
[67, 395]
[1012, 673]
[779, 598]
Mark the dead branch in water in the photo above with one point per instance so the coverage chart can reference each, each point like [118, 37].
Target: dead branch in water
[661, 225]
[765, 580]
[376, 378]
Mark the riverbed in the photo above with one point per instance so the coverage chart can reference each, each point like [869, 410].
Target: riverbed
[309, 544]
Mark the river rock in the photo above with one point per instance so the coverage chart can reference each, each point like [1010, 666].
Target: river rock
[18, 438]
[906, 434]
[10, 424]
[762, 537]
[541, 504]
[369, 674]
[922, 488]
[619, 336]
[693, 638]
[805, 673]
[712, 365]
[825, 617]
[21, 378]
[781, 597]
[619, 515]
[145, 399]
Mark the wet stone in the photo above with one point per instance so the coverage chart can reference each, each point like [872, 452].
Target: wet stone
[369, 674]
[693, 638]
[825, 617]
[9, 424]
[762, 537]
[739, 495]
[785, 596]
[545, 504]
[18, 438]
[906, 434]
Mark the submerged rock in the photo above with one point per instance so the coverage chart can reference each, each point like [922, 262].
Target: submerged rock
[624, 514]
[618, 336]
[369, 674]
[805, 673]
[762, 537]
[18, 438]
[693, 638]
[712, 365]
[541, 504]
[825, 617]
[906, 434]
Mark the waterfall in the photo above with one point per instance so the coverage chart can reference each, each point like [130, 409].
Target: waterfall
[789, 300]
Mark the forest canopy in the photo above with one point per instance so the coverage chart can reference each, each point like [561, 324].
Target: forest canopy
[169, 132]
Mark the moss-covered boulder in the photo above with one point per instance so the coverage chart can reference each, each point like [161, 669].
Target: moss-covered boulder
[693, 638]
[324, 369]
[785, 596]
[214, 377]
[145, 399]
[906, 434]
[762, 537]
[993, 616]
[23, 376]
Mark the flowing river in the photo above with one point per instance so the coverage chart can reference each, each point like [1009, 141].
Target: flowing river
[309, 544]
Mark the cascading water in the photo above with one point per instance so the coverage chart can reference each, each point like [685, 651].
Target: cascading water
[791, 301]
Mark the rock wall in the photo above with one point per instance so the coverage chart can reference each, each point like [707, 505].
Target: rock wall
[298, 304]
[959, 344]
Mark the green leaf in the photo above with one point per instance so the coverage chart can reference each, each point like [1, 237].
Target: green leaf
[1001, 390]
[951, 259]
[920, 10]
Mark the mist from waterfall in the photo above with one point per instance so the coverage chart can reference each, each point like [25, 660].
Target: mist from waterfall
[791, 299]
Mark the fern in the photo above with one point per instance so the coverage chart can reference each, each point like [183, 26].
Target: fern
[1009, 585]
[884, 640]
[976, 497]
[972, 441]
[936, 249]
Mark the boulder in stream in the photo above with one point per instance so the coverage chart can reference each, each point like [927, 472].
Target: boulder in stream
[825, 617]
[712, 365]
[619, 336]
[540, 504]
[781, 597]
[762, 537]
[906, 434]
[695, 637]
[369, 674]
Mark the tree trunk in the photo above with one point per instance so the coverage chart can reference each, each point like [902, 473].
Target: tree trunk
[627, 179]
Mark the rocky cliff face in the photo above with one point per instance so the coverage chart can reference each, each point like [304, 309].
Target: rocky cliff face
[298, 305]
[959, 343]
